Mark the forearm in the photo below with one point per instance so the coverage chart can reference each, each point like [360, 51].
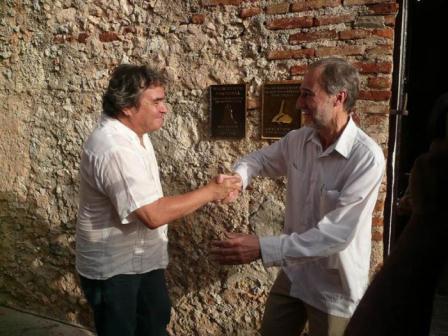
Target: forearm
[267, 161]
[169, 208]
[299, 248]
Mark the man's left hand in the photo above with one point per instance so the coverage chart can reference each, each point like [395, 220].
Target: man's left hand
[238, 248]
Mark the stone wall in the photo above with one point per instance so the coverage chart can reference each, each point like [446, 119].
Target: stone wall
[55, 59]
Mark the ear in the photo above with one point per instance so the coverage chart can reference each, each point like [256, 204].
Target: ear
[128, 111]
[341, 97]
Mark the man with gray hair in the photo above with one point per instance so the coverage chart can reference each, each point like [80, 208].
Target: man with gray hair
[334, 171]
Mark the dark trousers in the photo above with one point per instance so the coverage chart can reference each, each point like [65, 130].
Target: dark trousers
[129, 304]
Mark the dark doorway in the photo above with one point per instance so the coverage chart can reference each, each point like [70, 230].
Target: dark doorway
[425, 79]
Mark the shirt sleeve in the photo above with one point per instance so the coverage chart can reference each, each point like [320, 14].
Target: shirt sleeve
[336, 228]
[269, 161]
[127, 182]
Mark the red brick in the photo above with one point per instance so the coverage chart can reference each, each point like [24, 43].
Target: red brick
[387, 8]
[82, 37]
[353, 34]
[381, 50]
[379, 82]
[389, 20]
[356, 118]
[336, 51]
[314, 4]
[377, 221]
[291, 23]
[329, 20]
[384, 32]
[373, 67]
[312, 36]
[377, 236]
[220, 2]
[379, 121]
[290, 54]
[197, 18]
[375, 109]
[379, 206]
[298, 70]
[375, 95]
[248, 12]
[280, 8]
[108, 36]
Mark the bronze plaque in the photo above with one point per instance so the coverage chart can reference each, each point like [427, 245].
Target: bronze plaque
[228, 111]
[279, 113]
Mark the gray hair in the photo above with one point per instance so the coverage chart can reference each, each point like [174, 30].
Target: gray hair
[337, 74]
[127, 85]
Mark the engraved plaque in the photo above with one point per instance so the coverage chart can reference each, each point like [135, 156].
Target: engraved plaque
[228, 111]
[279, 113]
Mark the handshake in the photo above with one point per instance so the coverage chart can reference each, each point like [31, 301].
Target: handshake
[225, 188]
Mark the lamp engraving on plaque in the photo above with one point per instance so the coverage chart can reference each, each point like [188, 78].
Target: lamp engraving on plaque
[279, 112]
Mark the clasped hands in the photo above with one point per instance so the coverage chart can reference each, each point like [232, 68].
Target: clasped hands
[236, 248]
[233, 180]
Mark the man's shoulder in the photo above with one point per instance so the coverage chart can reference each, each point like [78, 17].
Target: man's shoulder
[366, 145]
[104, 140]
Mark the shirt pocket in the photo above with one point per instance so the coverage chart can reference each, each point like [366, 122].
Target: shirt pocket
[296, 177]
[297, 181]
[328, 201]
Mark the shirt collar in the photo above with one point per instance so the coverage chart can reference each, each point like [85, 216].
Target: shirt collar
[343, 144]
[120, 127]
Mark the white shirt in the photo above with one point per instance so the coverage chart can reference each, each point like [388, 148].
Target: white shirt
[118, 175]
[331, 194]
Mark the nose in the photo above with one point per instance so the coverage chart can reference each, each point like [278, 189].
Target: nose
[163, 108]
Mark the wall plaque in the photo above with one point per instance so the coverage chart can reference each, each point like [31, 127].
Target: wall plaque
[228, 111]
[279, 113]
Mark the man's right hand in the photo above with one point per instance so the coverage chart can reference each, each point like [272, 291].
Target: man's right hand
[233, 195]
[222, 186]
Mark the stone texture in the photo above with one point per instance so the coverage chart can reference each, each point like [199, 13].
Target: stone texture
[55, 60]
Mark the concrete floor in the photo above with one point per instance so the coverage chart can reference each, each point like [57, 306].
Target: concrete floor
[18, 323]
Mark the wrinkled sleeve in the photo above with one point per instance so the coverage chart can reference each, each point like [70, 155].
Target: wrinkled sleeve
[269, 161]
[127, 182]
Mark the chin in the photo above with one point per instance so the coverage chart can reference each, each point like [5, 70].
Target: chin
[155, 128]
[158, 125]
[316, 125]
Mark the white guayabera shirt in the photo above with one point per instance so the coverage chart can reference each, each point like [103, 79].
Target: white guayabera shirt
[331, 195]
[118, 175]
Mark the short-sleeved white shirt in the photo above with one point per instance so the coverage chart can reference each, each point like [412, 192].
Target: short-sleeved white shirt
[118, 175]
